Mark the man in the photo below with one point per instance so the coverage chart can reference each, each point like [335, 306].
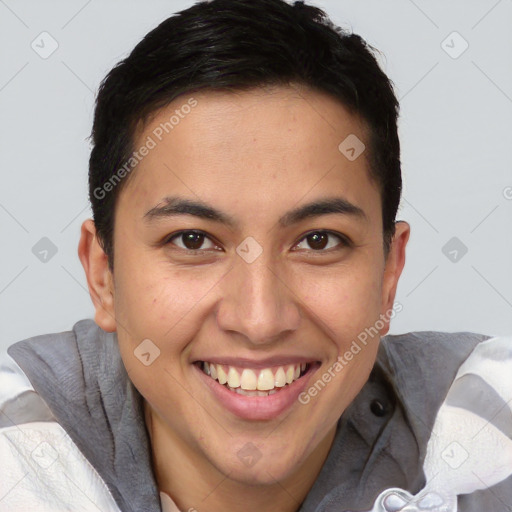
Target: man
[243, 261]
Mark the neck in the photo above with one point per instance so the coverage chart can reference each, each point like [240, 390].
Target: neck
[195, 484]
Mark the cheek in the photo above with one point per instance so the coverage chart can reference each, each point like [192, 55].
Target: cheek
[151, 292]
[345, 298]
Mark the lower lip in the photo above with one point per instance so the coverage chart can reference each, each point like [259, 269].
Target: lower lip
[258, 407]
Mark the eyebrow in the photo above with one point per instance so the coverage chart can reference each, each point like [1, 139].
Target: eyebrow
[174, 206]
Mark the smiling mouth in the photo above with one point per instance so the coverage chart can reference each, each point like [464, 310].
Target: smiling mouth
[252, 382]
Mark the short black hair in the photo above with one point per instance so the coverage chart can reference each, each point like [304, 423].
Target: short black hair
[235, 45]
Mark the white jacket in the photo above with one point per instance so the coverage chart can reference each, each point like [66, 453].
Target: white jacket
[78, 442]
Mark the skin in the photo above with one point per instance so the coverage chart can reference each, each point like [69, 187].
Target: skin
[255, 155]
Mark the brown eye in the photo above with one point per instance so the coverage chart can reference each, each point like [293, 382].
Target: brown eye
[320, 240]
[191, 240]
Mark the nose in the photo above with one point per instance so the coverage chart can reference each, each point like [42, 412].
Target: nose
[258, 302]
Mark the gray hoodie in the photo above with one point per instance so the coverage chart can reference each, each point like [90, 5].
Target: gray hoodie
[382, 443]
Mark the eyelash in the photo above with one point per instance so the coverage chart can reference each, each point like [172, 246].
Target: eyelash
[344, 240]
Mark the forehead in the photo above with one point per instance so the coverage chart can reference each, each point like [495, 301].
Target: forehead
[261, 148]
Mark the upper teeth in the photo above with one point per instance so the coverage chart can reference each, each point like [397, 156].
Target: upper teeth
[250, 380]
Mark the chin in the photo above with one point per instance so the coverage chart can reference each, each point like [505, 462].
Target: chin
[249, 466]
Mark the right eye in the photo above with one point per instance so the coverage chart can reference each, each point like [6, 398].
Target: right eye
[191, 241]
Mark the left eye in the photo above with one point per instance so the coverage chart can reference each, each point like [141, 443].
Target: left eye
[319, 240]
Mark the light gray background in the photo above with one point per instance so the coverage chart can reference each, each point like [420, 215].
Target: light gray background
[456, 133]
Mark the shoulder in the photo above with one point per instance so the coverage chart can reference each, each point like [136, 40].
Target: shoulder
[443, 350]
[469, 451]
[428, 363]
[472, 446]
[459, 385]
[42, 468]
[421, 366]
[54, 349]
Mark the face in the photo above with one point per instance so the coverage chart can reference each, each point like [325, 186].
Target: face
[249, 256]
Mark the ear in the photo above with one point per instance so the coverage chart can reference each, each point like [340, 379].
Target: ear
[99, 278]
[395, 262]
